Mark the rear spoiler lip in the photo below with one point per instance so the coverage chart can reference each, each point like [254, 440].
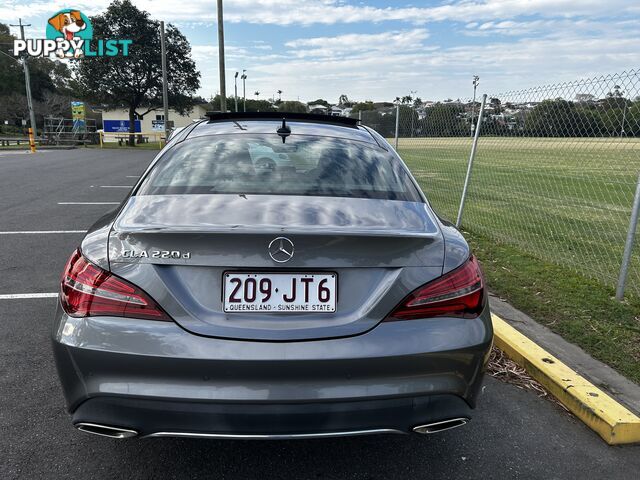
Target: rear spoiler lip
[275, 230]
[292, 116]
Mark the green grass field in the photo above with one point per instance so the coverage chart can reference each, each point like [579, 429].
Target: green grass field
[567, 201]
[548, 218]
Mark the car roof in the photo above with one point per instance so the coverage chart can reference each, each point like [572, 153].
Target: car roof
[267, 123]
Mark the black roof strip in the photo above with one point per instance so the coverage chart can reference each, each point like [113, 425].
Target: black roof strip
[303, 117]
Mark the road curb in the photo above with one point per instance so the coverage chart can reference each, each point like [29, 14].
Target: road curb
[613, 422]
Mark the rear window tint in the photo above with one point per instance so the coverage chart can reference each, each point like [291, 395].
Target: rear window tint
[263, 164]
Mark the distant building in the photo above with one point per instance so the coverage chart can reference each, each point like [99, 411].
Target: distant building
[116, 120]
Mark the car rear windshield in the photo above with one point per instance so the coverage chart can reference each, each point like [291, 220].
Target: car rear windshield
[263, 164]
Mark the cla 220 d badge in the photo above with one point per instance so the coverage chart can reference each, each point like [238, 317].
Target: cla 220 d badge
[281, 249]
[155, 254]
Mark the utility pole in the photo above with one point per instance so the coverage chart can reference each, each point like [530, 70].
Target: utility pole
[476, 81]
[624, 116]
[27, 79]
[244, 90]
[165, 88]
[223, 88]
[235, 90]
[413, 110]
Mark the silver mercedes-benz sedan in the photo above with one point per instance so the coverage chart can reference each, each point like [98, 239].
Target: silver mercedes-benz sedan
[232, 298]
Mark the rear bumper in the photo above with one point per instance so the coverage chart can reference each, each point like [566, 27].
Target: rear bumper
[160, 418]
[154, 377]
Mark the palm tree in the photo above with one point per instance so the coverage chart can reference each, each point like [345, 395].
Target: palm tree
[279, 95]
[257, 94]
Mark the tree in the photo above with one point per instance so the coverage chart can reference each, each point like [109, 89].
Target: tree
[293, 106]
[445, 120]
[363, 106]
[259, 106]
[46, 76]
[11, 76]
[344, 101]
[52, 86]
[496, 104]
[408, 120]
[135, 81]
[252, 105]
[615, 99]
[562, 118]
[320, 101]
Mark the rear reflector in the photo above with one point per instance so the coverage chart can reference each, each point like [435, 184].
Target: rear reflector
[88, 290]
[459, 293]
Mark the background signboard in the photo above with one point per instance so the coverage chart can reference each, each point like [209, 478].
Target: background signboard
[119, 126]
[78, 115]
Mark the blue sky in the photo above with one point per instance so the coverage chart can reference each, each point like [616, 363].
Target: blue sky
[374, 49]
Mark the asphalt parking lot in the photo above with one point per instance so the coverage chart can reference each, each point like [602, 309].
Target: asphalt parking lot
[514, 434]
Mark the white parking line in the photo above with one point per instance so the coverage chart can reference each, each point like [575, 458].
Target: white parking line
[116, 186]
[40, 232]
[17, 296]
[133, 176]
[88, 203]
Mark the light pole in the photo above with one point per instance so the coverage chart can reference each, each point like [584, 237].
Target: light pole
[413, 110]
[223, 89]
[235, 90]
[624, 116]
[476, 81]
[244, 90]
[165, 94]
[27, 79]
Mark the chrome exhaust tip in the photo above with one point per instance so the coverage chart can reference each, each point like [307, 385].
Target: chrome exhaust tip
[105, 430]
[437, 427]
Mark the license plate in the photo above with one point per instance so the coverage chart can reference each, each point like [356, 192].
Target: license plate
[280, 292]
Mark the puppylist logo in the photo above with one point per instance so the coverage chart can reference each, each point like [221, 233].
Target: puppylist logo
[69, 34]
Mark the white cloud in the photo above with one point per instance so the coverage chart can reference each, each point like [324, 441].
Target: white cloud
[447, 72]
[309, 12]
[530, 42]
[355, 43]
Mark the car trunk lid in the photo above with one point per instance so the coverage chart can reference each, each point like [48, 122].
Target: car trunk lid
[178, 247]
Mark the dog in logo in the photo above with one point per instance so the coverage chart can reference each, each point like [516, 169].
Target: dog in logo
[68, 24]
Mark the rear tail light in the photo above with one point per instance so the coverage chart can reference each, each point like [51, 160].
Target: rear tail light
[88, 290]
[459, 293]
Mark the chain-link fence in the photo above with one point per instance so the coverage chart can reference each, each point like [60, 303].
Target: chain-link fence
[555, 170]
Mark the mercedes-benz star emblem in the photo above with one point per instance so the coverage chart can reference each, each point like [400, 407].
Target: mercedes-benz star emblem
[281, 249]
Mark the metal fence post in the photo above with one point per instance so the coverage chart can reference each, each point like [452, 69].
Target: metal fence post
[628, 247]
[397, 125]
[471, 157]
